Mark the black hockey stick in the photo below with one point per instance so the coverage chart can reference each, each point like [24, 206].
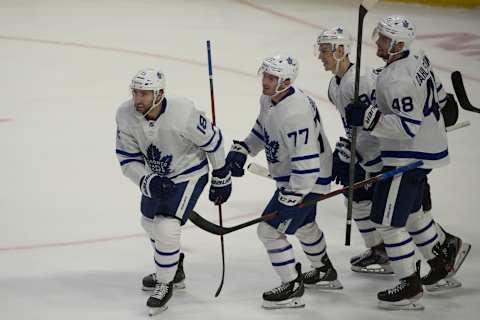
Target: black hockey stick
[212, 101]
[460, 92]
[213, 228]
[362, 12]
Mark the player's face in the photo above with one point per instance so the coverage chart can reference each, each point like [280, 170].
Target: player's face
[142, 100]
[383, 46]
[326, 56]
[269, 84]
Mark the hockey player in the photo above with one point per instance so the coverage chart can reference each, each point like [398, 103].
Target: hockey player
[332, 47]
[162, 146]
[408, 122]
[299, 157]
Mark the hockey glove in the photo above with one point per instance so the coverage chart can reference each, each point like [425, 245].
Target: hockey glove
[220, 185]
[237, 157]
[154, 186]
[286, 204]
[359, 114]
[341, 161]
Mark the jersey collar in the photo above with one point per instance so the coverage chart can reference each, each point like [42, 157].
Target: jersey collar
[290, 91]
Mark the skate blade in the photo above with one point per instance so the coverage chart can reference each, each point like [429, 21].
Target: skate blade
[462, 255]
[179, 285]
[154, 311]
[326, 285]
[444, 284]
[373, 269]
[401, 305]
[289, 303]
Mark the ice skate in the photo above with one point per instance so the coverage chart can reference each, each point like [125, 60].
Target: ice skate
[158, 300]
[449, 257]
[324, 277]
[287, 295]
[374, 260]
[405, 296]
[149, 281]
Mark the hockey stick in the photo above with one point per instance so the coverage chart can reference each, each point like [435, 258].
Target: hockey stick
[362, 12]
[457, 82]
[457, 126]
[220, 230]
[212, 100]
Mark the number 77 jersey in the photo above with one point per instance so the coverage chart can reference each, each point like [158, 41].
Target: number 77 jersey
[298, 152]
[411, 126]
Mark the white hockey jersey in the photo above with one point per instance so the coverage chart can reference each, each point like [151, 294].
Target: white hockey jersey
[176, 145]
[341, 93]
[411, 126]
[297, 150]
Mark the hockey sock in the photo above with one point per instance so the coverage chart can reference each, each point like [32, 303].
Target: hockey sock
[279, 250]
[400, 250]
[422, 228]
[313, 243]
[167, 247]
[361, 215]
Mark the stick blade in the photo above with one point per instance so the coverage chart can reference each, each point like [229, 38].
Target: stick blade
[458, 86]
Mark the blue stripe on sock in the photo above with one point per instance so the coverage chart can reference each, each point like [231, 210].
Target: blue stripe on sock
[279, 264]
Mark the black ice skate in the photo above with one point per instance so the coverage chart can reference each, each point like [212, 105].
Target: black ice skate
[158, 300]
[405, 296]
[178, 281]
[324, 277]
[374, 260]
[449, 256]
[288, 295]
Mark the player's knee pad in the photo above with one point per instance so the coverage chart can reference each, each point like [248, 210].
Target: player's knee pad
[166, 231]
[147, 225]
[268, 234]
[309, 233]
[361, 209]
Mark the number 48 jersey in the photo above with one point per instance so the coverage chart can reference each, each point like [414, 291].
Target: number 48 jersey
[298, 152]
[411, 126]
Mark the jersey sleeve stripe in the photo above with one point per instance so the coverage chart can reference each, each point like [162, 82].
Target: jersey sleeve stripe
[211, 138]
[192, 169]
[324, 181]
[258, 135]
[308, 171]
[415, 155]
[440, 87]
[373, 162]
[128, 154]
[124, 162]
[219, 143]
[307, 157]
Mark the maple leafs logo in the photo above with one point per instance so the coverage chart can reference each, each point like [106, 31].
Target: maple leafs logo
[158, 164]
[271, 149]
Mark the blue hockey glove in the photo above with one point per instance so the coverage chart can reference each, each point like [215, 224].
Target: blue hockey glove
[237, 157]
[154, 186]
[359, 114]
[220, 185]
[286, 204]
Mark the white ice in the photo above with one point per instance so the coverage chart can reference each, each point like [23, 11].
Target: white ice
[71, 245]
